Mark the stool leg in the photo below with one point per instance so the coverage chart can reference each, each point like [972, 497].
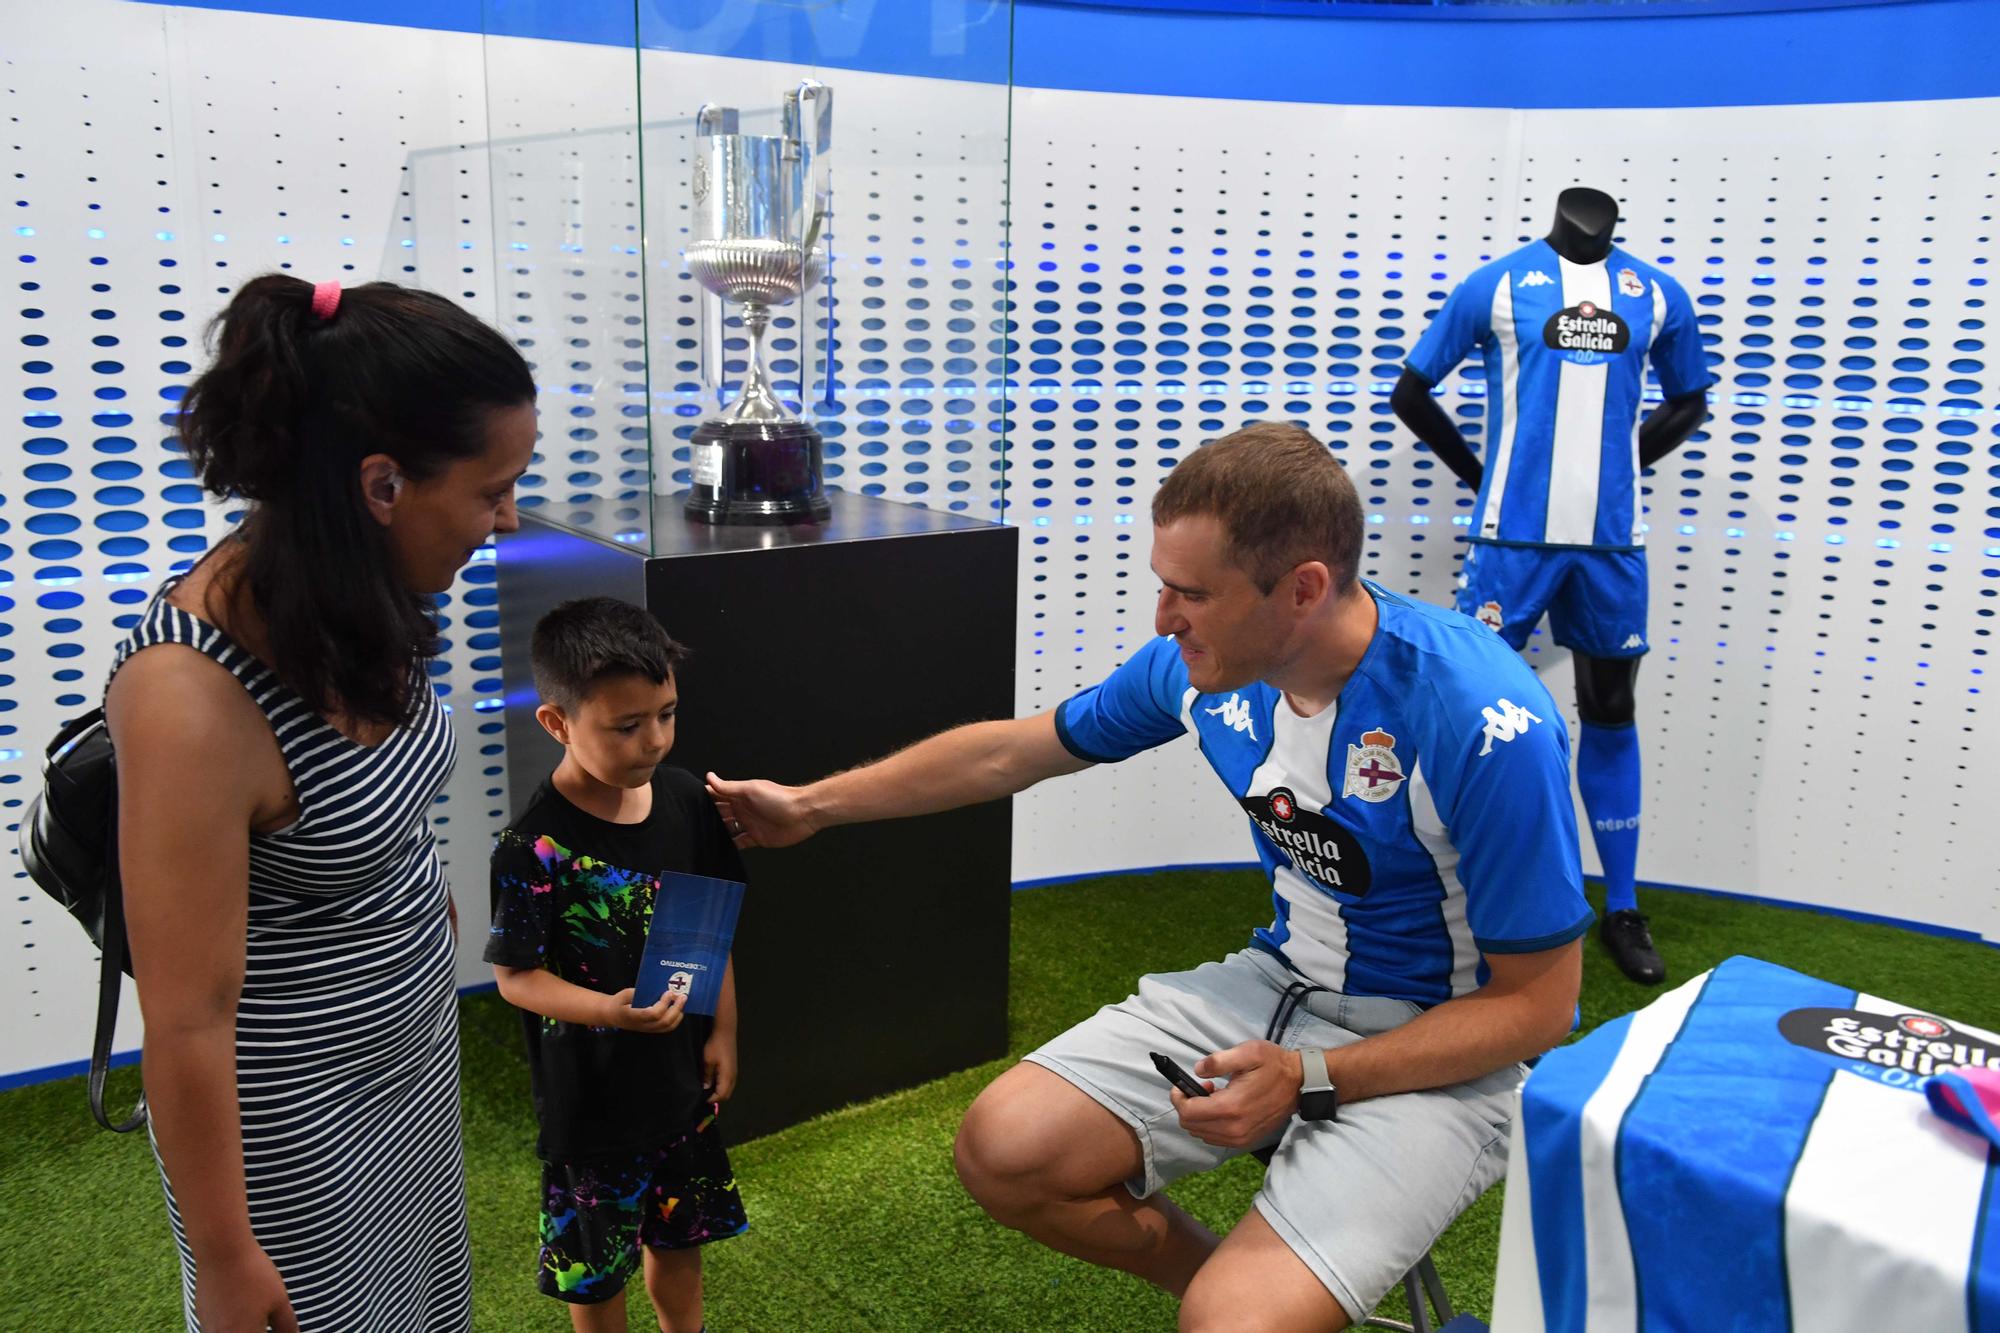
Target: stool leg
[1413, 1289]
[1427, 1271]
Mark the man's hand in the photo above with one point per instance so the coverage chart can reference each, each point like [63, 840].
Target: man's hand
[1262, 1094]
[718, 1065]
[664, 1016]
[761, 814]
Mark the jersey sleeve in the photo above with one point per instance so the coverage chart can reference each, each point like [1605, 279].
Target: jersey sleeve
[1465, 322]
[1677, 354]
[1136, 708]
[1502, 790]
[523, 900]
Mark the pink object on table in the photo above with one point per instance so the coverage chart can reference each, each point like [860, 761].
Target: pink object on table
[1968, 1098]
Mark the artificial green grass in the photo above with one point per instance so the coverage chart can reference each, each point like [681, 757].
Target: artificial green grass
[856, 1219]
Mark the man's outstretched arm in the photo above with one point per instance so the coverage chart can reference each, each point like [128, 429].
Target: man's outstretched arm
[981, 761]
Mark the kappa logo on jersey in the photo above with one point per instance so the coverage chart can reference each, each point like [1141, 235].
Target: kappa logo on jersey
[1489, 615]
[1373, 771]
[1236, 713]
[1536, 278]
[1504, 722]
[1899, 1051]
[1634, 641]
[1320, 849]
[1630, 283]
[1586, 332]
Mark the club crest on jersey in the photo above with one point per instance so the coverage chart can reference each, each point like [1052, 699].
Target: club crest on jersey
[1373, 772]
[1630, 283]
[1489, 615]
[1586, 333]
[1901, 1050]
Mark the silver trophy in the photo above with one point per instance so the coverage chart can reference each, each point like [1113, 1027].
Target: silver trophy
[761, 220]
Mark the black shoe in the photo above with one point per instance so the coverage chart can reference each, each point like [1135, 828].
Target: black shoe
[1631, 946]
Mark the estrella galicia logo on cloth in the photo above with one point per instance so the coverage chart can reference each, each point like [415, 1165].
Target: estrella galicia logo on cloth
[1318, 848]
[1898, 1049]
[1586, 333]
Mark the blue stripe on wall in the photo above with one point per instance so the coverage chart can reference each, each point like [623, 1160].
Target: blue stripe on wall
[1913, 51]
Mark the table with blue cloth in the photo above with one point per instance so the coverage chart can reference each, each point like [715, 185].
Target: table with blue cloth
[1752, 1151]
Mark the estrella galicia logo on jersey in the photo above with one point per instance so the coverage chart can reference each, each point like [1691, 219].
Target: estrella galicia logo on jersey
[1900, 1050]
[1235, 712]
[1586, 332]
[1318, 848]
[1373, 772]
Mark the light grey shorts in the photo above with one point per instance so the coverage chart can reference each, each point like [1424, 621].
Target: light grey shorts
[1359, 1199]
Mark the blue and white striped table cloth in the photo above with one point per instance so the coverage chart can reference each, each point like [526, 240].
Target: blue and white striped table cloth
[1751, 1152]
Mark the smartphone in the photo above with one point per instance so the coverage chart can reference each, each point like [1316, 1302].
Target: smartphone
[1177, 1076]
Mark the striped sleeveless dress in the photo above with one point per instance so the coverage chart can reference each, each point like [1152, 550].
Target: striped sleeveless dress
[346, 1032]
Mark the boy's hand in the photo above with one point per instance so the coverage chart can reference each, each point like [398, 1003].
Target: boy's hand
[718, 1065]
[663, 1016]
[761, 814]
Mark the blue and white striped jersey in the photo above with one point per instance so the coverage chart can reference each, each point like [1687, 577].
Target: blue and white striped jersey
[1422, 819]
[1752, 1151]
[1565, 348]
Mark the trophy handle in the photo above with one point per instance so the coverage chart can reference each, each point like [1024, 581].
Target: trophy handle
[714, 118]
[809, 126]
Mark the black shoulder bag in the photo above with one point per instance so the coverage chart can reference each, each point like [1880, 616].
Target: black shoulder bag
[69, 846]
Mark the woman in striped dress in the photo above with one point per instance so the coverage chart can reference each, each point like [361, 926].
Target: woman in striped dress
[278, 747]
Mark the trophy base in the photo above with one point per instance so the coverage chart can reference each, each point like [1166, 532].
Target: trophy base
[756, 473]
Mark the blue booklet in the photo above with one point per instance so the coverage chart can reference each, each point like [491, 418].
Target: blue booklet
[694, 920]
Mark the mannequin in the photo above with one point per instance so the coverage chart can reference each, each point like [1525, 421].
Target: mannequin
[1574, 318]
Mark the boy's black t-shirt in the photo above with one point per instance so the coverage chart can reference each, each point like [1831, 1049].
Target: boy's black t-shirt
[573, 893]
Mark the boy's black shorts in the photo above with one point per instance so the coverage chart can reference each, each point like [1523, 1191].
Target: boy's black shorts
[596, 1214]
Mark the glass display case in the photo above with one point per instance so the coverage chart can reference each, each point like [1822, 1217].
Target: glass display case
[755, 253]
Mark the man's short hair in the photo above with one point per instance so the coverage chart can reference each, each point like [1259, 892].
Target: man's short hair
[1281, 497]
[583, 642]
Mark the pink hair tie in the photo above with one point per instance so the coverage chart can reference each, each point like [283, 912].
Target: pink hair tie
[326, 299]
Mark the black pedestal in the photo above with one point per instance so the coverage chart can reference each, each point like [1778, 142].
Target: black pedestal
[871, 957]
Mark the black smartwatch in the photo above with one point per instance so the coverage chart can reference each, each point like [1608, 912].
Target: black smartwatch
[1318, 1098]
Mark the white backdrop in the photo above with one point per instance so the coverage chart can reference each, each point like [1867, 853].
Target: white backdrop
[1823, 573]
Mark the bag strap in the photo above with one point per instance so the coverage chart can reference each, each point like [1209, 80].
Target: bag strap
[76, 727]
[110, 980]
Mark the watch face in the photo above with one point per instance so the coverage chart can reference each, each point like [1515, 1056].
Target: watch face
[1319, 1105]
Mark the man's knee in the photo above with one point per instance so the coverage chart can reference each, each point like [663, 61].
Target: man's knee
[1254, 1282]
[1032, 1137]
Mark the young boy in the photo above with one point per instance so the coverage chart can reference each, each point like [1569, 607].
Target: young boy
[626, 1098]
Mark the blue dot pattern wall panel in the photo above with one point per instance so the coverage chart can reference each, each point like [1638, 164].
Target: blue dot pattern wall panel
[149, 175]
[1824, 554]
